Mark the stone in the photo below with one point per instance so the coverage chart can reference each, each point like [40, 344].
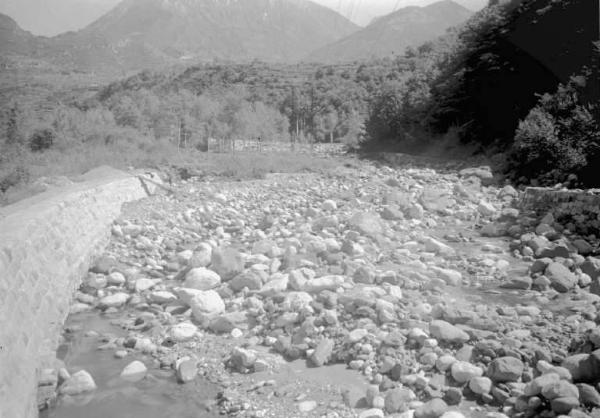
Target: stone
[505, 369]
[307, 406]
[396, 400]
[582, 367]
[486, 208]
[144, 284]
[114, 301]
[437, 247]
[227, 262]
[451, 277]
[521, 283]
[322, 352]
[535, 387]
[202, 279]
[480, 385]
[251, 279]
[367, 223]
[564, 405]
[452, 414]
[591, 267]
[583, 247]
[187, 370]
[115, 279]
[183, 331]
[162, 296]
[372, 413]
[206, 303]
[202, 255]
[561, 278]
[134, 371]
[431, 409]
[447, 332]
[463, 371]
[560, 389]
[242, 359]
[79, 382]
[588, 395]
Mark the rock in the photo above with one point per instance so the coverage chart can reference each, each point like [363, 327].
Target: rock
[485, 208]
[328, 205]
[564, 405]
[582, 367]
[114, 300]
[505, 369]
[322, 352]
[187, 370]
[354, 398]
[144, 284]
[591, 267]
[583, 247]
[307, 406]
[116, 279]
[206, 303]
[367, 223]
[414, 211]
[202, 279]
[242, 359]
[162, 296]
[560, 389]
[452, 414]
[371, 413]
[79, 382]
[451, 277]
[227, 262]
[103, 265]
[251, 279]
[396, 400]
[392, 213]
[447, 332]
[535, 387]
[183, 331]
[588, 395]
[201, 256]
[435, 246]
[227, 322]
[323, 283]
[561, 278]
[134, 371]
[480, 385]
[463, 371]
[431, 409]
[484, 174]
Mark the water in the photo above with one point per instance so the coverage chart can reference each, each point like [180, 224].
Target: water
[158, 395]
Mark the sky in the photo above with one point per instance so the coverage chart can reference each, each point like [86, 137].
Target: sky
[51, 17]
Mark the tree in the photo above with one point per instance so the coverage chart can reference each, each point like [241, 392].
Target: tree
[42, 139]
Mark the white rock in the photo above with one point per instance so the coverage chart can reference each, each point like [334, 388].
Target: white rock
[485, 208]
[183, 331]
[452, 414]
[451, 277]
[206, 303]
[202, 279]
[435, 246]
[323, 283]
[371, 413]
[480, 385]
[329, 205]
[115, 278]
[463, 371]
[79, 382]
[115, 300]
[144, 284]
[134, 371]
[162, 296]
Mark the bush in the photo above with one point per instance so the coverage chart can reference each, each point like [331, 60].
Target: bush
[42, 139]
[558, 137]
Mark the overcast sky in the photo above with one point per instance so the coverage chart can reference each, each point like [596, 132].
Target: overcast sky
[51, 17]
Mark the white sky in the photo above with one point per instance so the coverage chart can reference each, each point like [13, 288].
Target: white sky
[51, 17]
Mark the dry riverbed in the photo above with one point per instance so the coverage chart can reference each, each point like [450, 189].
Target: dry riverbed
[364, 290]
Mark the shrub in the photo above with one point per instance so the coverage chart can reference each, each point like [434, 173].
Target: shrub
[559, 136]
[42, 139]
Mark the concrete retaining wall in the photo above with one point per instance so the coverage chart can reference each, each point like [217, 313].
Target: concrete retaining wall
[47, 243]
[580, 208]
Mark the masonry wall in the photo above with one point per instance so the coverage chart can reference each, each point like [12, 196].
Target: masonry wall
[46, 245]
[579, 208]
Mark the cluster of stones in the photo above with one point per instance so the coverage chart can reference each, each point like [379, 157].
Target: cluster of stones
[356, 266]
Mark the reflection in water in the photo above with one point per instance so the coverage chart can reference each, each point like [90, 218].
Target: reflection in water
[158, 395]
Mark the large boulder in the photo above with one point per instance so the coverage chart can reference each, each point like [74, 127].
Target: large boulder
[561, 278]
[505, 369]
[367, 223]
[202, 279]
[227, 262]
[445, 331]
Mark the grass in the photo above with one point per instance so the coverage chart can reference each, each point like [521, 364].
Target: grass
[158, 155]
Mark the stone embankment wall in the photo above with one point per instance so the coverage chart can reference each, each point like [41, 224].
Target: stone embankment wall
[47, 243]
[274, 146]
[580, 208]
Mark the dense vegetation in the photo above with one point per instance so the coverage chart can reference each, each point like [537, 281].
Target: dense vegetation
[490, 83]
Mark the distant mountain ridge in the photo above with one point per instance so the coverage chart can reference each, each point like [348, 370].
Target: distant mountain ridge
[139, 34]
[393, 33]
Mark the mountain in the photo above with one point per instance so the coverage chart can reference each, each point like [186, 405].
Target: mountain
[14, 40]
[139, 34]
[51, 17]
[393, 33]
